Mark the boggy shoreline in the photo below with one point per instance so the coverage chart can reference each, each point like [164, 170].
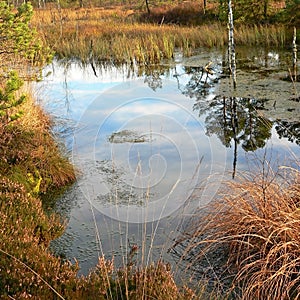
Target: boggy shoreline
[32, 164]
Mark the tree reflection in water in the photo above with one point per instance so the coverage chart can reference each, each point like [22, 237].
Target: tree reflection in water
[235, 120]
[153, 75]
[289, 130]
[201, 80]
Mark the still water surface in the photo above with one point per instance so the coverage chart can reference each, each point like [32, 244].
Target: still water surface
[151, 145]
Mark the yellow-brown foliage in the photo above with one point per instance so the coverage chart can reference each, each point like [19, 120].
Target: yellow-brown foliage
[28, 149]
[117, 37]
[258, 221]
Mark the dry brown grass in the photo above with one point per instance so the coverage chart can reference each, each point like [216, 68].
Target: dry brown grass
[190, 13]
[31, 155]
[271, 35]
[117, 37]
[258, 221]
[54, 15]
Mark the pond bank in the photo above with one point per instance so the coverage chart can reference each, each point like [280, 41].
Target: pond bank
[32, 164]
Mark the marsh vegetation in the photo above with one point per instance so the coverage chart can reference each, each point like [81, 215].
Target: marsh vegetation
[118, 36]
[244, 244]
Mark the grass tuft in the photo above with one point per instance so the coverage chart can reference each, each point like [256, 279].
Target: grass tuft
[257, 221]
[30, 155]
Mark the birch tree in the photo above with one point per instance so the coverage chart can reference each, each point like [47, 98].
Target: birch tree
[231, 46]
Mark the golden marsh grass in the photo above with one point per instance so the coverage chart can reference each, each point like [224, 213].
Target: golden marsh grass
[258, 221]
[116, 36]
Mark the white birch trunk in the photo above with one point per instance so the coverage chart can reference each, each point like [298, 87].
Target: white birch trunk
[231, 47]
[295, 54]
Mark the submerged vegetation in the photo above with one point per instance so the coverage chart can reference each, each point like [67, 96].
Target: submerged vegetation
[257, 223]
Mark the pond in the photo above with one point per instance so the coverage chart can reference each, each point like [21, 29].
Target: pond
[153, 144]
